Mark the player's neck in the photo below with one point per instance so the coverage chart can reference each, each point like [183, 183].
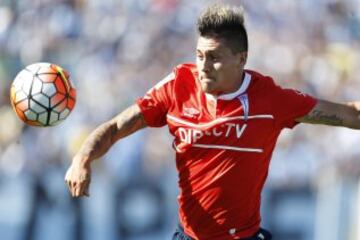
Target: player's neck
[232, 88]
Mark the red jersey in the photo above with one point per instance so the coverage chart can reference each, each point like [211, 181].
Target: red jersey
[223, 146]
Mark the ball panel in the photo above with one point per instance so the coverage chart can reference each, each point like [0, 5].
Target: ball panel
[71, 103]
[20, 78]
[23, 105]
[72, 93]
[64, 77]
[59, 84]
[17, 84]
[56, 99]
[37, 108]
[36, 86]
[20, 114]
[26, 87]
[42, 99]
[34, 123]
[19, 96]
[30, 115]
[61, 106]
[43, 117]
[54, 117]
[49, 69]
[13, 95]
[47, 77]
[64, 114]
[48, 89]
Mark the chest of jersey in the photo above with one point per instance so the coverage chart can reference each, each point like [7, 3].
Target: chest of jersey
[243, 123]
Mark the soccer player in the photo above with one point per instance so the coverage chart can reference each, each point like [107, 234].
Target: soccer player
[225, 121]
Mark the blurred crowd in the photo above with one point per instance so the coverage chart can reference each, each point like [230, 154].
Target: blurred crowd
[117, 49]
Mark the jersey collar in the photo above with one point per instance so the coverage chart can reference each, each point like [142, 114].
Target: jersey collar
[244, 86]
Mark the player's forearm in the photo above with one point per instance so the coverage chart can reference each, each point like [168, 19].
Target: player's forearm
[334, 114]
[104, 136]
[96, 144]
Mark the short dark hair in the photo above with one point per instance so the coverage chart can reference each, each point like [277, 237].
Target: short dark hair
[222, 21]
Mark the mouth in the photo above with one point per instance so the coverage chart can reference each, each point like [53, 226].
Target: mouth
[206, 79]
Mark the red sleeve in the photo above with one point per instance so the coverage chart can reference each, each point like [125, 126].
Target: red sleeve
[156, 102]
[290, 104]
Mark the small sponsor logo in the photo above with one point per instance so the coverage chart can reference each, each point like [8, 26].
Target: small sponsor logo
[190, 112]
[232, 231]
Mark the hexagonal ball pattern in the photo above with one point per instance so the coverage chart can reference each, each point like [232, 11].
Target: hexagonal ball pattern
[42, 94]
[60, 86]
[60, 107]
[26, 86]
[54, 117]
[48, 68]
[49, 89]
[36, 86]
[23, 105]
[23, 76]
[34, 68]
[42, 100]
[34, 106]
[56, 99]
[20, 96]
[43, 118]
[47, 77]
[64, 114]
[31, 115]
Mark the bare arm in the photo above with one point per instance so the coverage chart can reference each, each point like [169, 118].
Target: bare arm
[105, 135]
[334, 114]
[78, 176]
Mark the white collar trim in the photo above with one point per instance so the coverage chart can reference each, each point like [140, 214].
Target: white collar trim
[244, 86]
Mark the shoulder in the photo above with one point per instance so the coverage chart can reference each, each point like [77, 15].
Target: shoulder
[186, 69]
[185, 75]
[260, 81]
[181, 74]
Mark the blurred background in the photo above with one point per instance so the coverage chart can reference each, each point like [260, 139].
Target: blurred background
[115, 50]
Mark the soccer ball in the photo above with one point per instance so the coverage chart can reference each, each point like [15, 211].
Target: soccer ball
[42, 94]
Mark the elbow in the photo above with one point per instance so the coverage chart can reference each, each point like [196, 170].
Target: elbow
[355, 113]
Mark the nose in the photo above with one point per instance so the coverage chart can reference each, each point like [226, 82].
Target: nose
[204, 65]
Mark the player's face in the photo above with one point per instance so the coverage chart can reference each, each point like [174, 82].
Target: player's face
[220, 70]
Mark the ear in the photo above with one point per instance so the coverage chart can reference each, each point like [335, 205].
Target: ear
[242, 57]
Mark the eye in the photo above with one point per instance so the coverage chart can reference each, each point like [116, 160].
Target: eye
[214, 58]
[199, 56]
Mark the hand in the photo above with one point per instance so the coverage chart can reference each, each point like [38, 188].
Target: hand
[78, 178]
[355, 105]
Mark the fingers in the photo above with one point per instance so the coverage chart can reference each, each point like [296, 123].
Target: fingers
[355, 105]
[78, 189]
[78, 183]
[82, 189]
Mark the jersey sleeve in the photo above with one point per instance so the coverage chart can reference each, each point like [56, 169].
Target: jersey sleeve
[156, 102]
[290, 104]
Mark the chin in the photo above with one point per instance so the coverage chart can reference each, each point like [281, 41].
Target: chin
[208, 88]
